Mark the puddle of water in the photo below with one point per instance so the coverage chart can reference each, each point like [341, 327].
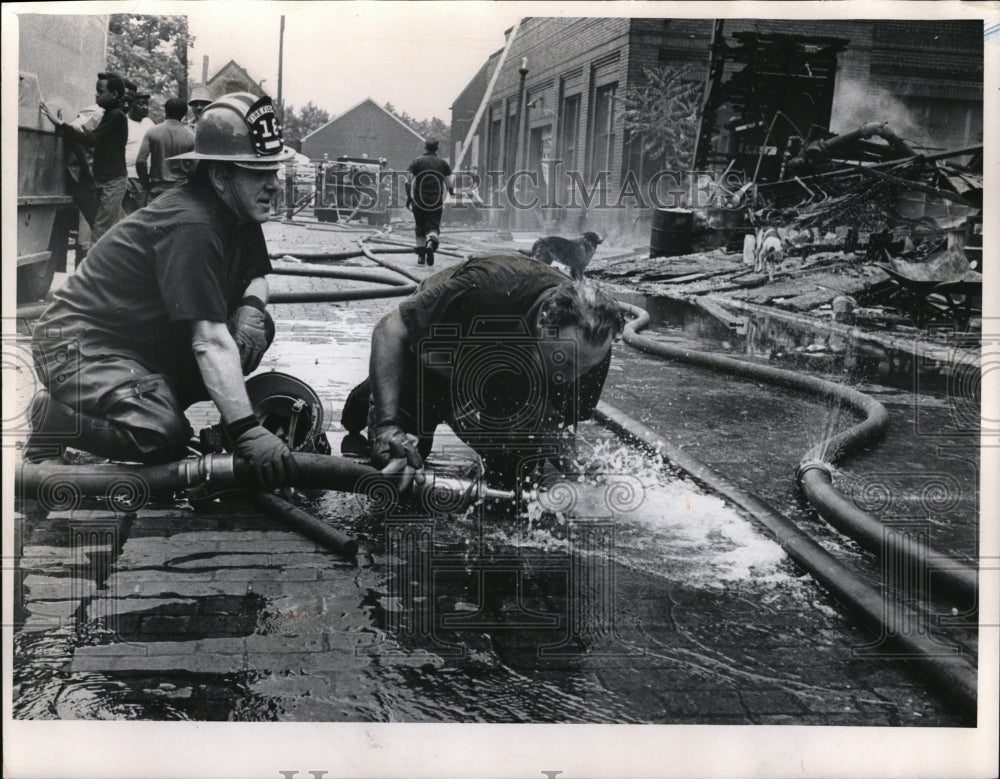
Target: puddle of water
[786, 345]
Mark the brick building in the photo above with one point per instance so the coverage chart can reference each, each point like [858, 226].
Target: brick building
[366, 128]
[924, 77]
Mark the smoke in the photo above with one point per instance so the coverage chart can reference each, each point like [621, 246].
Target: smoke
[858, 102]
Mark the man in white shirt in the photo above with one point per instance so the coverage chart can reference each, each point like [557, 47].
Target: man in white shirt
[138, 124]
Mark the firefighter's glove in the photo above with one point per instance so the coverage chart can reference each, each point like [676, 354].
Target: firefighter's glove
[392, 443]
[249, 328]
[409, 203]
[270, 458]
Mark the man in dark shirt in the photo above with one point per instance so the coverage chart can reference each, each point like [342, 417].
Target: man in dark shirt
[167, 139]
[502, 348]
[108, 140]
[169, 309]
[428, 177]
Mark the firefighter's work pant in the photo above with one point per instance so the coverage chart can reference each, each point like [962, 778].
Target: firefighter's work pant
[116, 406]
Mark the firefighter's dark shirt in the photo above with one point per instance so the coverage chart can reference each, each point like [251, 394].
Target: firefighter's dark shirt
[182, 258]
[108, 140]
[492, 300]
[429, 173]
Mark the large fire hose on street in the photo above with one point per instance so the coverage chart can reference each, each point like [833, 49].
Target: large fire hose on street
[390, 285]
[952, 675]
[56, 486]
[813, 476]
[348, 274]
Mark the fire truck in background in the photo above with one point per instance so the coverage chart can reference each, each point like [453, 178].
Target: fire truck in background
[59, 59]
[353, 187]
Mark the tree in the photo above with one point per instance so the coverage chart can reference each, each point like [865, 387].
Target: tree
[661, 114]
[428, 128]
[152, 51]
[297, 125]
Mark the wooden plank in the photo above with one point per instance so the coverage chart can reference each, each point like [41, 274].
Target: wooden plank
[719, 312]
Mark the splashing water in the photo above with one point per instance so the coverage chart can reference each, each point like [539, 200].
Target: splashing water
[663, 524]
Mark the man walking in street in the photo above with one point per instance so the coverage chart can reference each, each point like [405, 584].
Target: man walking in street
[156, 172]
[427, 179]
[505, 350]
[139, 124]
[170, 309]
[108, 141]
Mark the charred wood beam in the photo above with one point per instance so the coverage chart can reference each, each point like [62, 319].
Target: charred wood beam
[920, 187]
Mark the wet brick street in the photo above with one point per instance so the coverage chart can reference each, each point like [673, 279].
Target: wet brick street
[672, 609]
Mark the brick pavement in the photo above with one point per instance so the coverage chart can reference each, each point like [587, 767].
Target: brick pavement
[227, 614]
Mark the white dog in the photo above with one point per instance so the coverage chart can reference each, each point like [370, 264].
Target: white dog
[768, 251]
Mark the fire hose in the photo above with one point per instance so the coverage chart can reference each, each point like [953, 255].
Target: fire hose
[952, 675]
[128, 488]
[813, 475]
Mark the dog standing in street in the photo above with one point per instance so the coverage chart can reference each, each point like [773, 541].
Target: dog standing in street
[575, 254]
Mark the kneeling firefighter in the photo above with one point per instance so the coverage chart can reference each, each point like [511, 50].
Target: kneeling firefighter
[170, 309]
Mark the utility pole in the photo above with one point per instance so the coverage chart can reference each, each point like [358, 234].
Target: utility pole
[281, 57]
[182, 56]
[518, 159]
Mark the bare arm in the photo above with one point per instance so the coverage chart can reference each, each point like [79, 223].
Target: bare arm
[141, 162]
[257, 288]
[393, 449]
[218, 360]
[387, 366]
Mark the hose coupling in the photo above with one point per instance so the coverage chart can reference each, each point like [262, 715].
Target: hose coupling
[809, 465]
[208, 468]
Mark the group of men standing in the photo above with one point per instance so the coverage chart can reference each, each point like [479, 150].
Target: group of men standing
[170, 308]
[121, 153]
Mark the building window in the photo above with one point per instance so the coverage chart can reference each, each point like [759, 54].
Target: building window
[493, 144]
[570, 132]
[510, 139]
[604, 127]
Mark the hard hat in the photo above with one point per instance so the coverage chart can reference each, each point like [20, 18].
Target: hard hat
[242, 129]
[284, 405]
[199, 95]
[290, 409]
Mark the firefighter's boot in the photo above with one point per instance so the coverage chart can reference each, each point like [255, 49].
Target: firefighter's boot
[421, 256]
[432, 244]
[39, 446]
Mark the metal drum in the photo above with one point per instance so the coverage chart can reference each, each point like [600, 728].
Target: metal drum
[671, 233]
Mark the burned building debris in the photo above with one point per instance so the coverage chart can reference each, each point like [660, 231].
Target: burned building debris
[867, 214]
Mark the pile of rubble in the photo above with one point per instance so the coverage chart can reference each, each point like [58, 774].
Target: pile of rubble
[899, 237]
